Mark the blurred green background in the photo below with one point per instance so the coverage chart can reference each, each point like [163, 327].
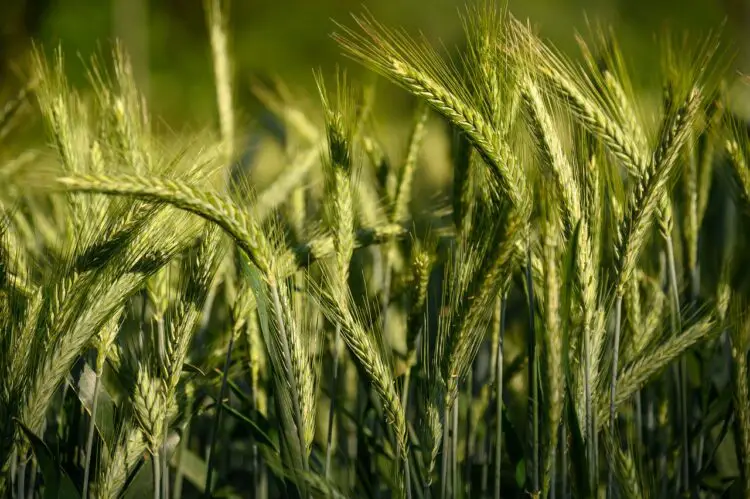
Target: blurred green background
[289, 38]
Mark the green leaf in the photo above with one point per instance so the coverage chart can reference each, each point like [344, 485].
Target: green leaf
[259, 433]
[104, 421]
[193, 369]
[194, 468]
[521, 473]
[57, 483]
[579, 462]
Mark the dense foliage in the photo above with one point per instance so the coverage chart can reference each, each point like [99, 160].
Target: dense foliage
[568, 321]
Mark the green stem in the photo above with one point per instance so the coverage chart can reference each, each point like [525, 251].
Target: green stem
[454, 449]
[90, 438]
[180, 470]
[469, 440]
[407, 375]
[21, 478]
[332, 410]
[553, 482]
[613, 392]
[444, 475]
[589, 415]
[407, 477]
[13, 467]
[682, 372]
[165, 462]
[217, 417]
[405, 389]
[533, 380]
[499, 397]
[32, 479]
[161, 344]
[638, 421]
[564, 459]
[156, 466]
[385, 253]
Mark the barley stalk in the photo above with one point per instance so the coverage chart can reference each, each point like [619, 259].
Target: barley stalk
[741, 391]
[553, 348]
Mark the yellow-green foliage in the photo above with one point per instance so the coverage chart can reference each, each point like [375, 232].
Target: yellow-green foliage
[332, 333]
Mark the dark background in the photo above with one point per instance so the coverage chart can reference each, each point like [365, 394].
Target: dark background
[289, 38]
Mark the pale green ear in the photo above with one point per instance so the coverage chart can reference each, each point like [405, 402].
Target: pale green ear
[251, 272]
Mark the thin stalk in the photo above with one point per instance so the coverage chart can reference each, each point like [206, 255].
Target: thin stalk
[533, 380]
[262, 488]
[384, 304]
[14, 463]
[407, 468]
[21, 491]
[387, 276]
[638, 420]
[419, 484]
[469, 441]
[683, 383]
[553, 481]
[695, 285]
[454, 449]
[259, 472]
[165, 463]
[332, 410]
[180, 470]
[444, 475]
[407, 465]
[487, 442]
[161, 344]
[407, 375]
[405, 389]
[613, 392]
[156, 465]
[90, 438]
[407, 477]
[32, 479]
[661, 436]
[564, 459]
[217, 417]
[499, 397]
[589, 415]
[254, 445]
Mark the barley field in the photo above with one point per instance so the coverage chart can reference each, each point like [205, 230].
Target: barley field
[184, 316]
